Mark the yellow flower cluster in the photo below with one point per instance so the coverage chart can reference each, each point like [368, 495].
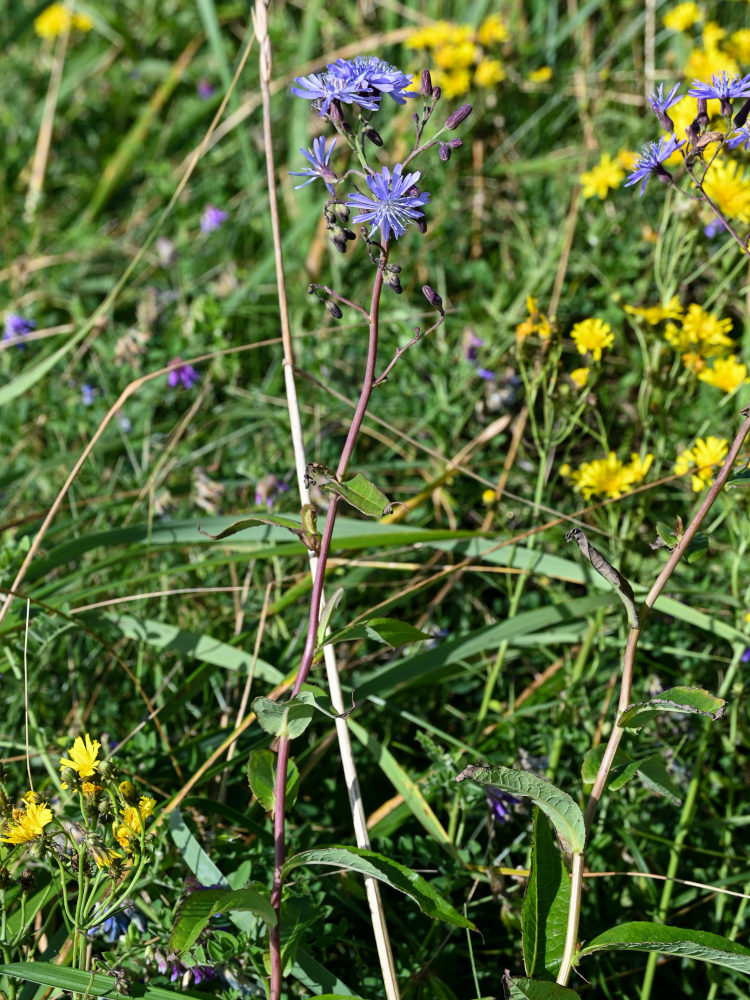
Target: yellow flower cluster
[129, 828]
[699, 336]
[462, 56]
[608, 476]
[56, 19]
[704, 456]
[536, 322]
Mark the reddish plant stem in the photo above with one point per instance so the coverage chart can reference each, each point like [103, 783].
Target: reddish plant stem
[282, 760]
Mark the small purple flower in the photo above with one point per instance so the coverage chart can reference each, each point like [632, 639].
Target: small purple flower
[471, 345]
[501, 804]
[722, 88]
[319, 159]
[212, 218]
[740, 137]
[650, 161]
[745, 658]
[185, 375]
[16, 326]
[660, 104]
[268, 490]
[486, 374]
[202, 972]
[204, 89]
[87, 394]
[714, 227]
[394, 203]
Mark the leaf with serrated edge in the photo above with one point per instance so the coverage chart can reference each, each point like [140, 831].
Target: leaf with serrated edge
[565, 815]
[388, 630]
[288, 719]
[545, 904]
[374, 865]
[641, 935]
[683, 700]
[362, 494]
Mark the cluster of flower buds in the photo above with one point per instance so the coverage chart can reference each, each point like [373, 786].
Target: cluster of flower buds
[336, 213]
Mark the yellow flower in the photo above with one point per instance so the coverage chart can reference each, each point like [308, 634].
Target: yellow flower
[83, 756]
[536, 322]
[655, 314]
[705, 454]
[602, 178]
[739, 45]
[683, 16]
[489, 72]
[453, 57]
[56, 19]
[541, 75]
[626, 158]
[437, 34]
[707, 62]
[492, 30]
[726, 186]
[713, 33]
[701, 332]
[693, 362]
[28, 822]
[488, 497]
[727, 374]
[579, 376]
[129, 828]
[592, 335]
[453, 84]
[609, 476]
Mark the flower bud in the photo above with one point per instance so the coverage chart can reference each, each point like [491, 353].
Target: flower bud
[454, 120]
[70, 777]
[421, 224]
[433, 298]
[27, 880]
[342, 211]
[128, 793]
[108, 770]
[425, 87]
[392, 282]
[333, 309]
[372, 135]
[436, 94]
[444, 152]
[741, 117]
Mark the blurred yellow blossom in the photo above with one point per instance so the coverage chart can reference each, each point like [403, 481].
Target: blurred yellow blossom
[580, 376]
[541, 75]
[604, 177]
[536, 322]
[492, 30]
[489, 72]
[488, 497]
[439, 33]
[593, 336]
[702, 458]
[454, 57]
[453, 84]
[655, 314]
[56, 19]
[626, 158]
[727, 374]
[726, 185]
[701, 332]
[738, 45]
[683, 16]
[707, 62]
[608, 476]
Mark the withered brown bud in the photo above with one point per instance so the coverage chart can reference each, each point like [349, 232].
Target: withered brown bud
[26, 880]
[454, 120]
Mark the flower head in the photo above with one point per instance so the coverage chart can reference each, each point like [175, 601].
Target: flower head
[727, 374]
[579, 377]
[204, 89]
[17, 326]
[592, 335]
[608, 476]
[212, 218]
[56, 19]
[361, 81]
[722, 88]
[536, 322]
[728, 187]
[655, 314]
[701, 459]
[501, 803]
[395, 202]
[683, 16]
[650, 161]
[701, 332]
[661, 104]
[603, 177]
[492, 30]
[28, 822]
[319, 158]
[185, 375]
[130, 827]
[83, 756]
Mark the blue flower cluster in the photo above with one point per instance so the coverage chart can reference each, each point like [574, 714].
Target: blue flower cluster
[361, 81]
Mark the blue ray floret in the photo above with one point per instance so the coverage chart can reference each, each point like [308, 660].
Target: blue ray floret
[722, 88]
[661, 104]
[651, 159]
[361, 81]
[394, 202]
[319, 159]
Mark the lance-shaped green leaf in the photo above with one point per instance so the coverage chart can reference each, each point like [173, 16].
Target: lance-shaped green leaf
[325, 615]
[545, 904]
[261, 776]
[196, 910]
[641, 935]
[388, 630]
[518, 988]
[685, 700]
[565, 815]
[288, 719]
[306, 531]
[78, 981]
[374, 865]
[650, 769]
[362, 494]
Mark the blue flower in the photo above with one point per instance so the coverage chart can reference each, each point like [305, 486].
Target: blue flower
[361, 81]
[204, 89]
[501, 803]
[740, 137]
[212, 218]
[714, 227]
[319, 159]
[185, 375]
[17, 326]
[650, 161]
[486, 374]
[87, 394]
[395, 202]
[722, 88]
[660, 104]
